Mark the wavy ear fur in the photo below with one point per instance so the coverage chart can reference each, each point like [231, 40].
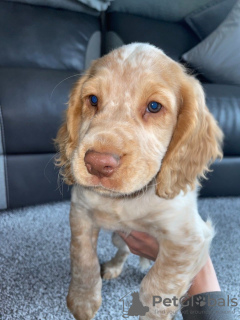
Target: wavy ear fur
[195, 144]
[67, 137]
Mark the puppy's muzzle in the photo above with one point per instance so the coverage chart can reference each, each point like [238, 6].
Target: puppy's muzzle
[101, 164]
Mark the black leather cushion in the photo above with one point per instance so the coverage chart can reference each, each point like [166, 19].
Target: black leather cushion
[33, 179]
[213, 13]
[224, 180]
[224, 103]
[218, 55]
[34, 36]
[72, 5]
[173, 38]
[157, 9]
[33, 101]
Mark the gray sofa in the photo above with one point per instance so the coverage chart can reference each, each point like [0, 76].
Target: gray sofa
[43, 51]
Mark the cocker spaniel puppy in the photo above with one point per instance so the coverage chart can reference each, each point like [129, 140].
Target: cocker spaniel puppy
[136, 140]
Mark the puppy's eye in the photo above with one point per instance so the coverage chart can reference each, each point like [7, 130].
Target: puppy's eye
[93, 100]
[154, 107]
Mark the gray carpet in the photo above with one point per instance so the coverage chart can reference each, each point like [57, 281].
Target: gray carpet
[35, 267]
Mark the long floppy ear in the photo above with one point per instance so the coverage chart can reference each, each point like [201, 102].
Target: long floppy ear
[195, 144]
[67, 136]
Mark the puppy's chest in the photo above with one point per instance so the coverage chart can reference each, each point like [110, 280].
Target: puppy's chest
[121, 218]
[122, 214]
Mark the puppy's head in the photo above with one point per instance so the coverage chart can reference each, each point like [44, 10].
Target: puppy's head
[136, 117]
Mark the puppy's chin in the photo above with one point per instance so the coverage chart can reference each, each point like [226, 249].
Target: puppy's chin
[107, 190]
[114, 194]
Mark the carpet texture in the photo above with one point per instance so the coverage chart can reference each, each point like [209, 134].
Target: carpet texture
[35, 264]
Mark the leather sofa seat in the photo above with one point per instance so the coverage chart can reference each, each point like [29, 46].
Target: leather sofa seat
[44, 50]
[224, 103]
[43, 37]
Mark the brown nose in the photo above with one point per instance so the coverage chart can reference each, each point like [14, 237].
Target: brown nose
[101, 164]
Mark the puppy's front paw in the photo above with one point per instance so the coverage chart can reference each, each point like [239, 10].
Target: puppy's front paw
[84, 305]
[111, 270]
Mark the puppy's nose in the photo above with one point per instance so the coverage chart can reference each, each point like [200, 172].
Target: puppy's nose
[101, 164]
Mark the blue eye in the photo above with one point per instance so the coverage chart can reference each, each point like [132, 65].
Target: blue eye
[93, 100]
[154, 107]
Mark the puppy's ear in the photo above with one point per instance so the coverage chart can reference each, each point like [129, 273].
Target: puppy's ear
[195, 144]
[67, 136]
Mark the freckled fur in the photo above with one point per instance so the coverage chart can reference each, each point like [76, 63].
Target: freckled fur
[154, 190]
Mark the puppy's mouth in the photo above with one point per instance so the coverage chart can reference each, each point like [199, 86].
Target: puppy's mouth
[104, 185]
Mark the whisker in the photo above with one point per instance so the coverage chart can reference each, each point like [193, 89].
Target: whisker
[44, 171]
[74, 75]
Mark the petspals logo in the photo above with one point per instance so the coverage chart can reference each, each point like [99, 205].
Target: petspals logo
[201, 304]
[133, 307]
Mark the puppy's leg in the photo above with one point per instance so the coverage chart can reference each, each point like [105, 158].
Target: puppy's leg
[84, 296]
[144, 263]
[178, 262]
[113, 268]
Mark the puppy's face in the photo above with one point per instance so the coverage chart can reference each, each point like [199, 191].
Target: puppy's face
[122, 116]
[126, 86]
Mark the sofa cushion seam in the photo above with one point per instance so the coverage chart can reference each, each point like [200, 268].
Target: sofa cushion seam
[4, 156]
